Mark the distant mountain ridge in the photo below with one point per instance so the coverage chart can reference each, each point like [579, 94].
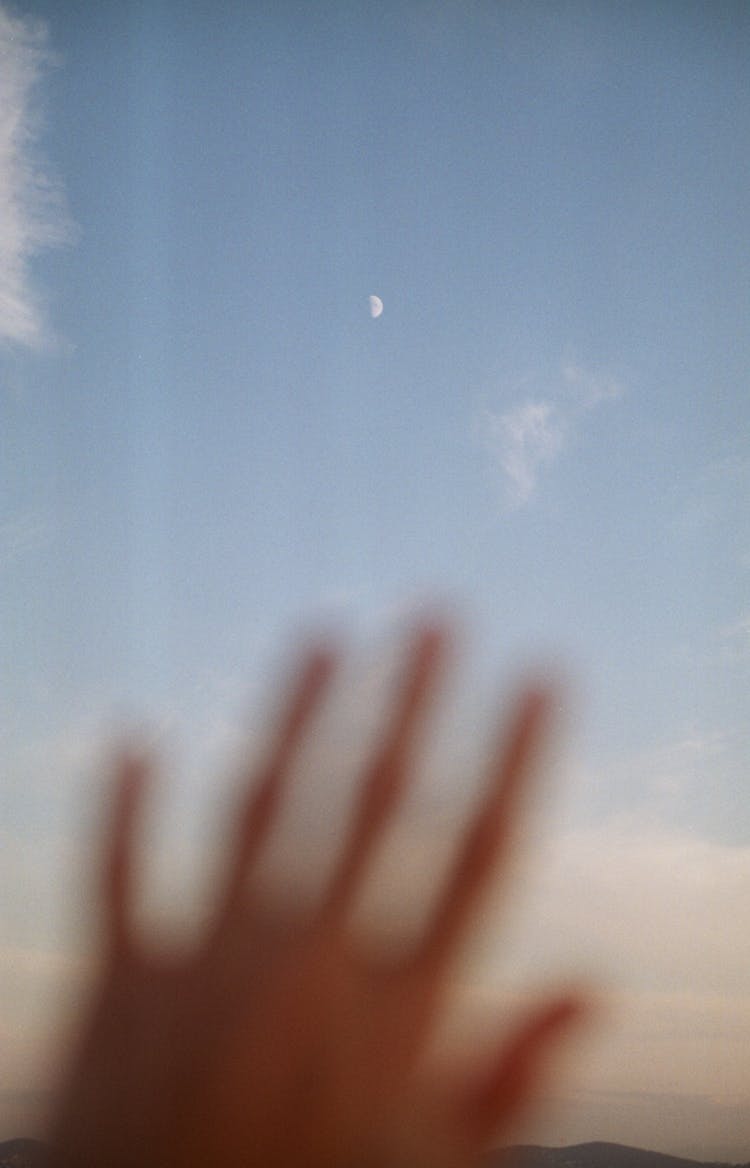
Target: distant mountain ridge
[30, 1154]
[593, 1155]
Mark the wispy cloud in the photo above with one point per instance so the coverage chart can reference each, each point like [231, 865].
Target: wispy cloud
[526, 440]
[32, 210]
[590, 388]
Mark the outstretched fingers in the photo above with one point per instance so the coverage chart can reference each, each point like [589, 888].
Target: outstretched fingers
[486, 843]
[132, 771]
[261, 804]
[388, 772]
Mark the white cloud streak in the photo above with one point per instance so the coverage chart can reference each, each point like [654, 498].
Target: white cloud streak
[526, 440]
[589, 388]
[32, 210]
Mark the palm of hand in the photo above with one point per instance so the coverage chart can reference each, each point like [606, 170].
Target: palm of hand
[277, 1040]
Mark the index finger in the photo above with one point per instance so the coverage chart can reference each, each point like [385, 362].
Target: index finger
[132, 770]
[486, 842]
[386, 778]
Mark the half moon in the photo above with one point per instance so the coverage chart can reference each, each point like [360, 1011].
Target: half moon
[376, 306]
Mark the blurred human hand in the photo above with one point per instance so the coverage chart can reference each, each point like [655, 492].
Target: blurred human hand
[276, 1040]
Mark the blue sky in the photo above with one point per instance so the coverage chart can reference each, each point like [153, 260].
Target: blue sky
[208, 442]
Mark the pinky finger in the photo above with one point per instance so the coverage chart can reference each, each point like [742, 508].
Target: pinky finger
[117, 876]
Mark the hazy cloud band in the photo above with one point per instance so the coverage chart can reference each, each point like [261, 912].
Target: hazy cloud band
[32, 211]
